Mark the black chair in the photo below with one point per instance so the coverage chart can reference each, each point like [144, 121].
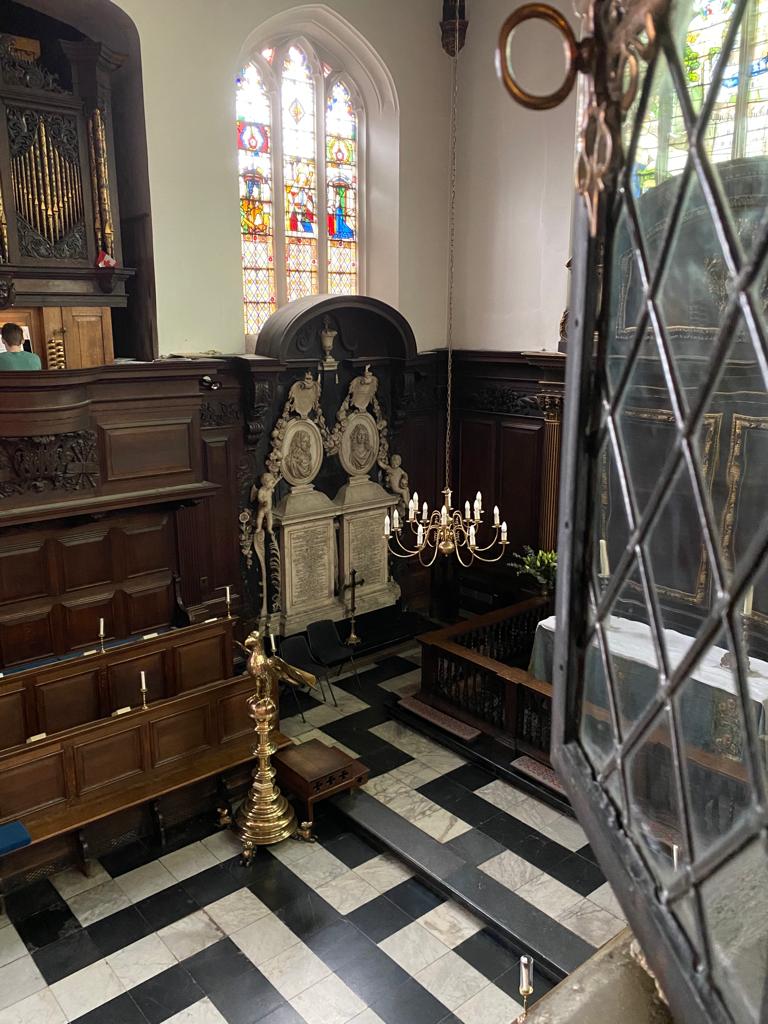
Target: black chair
[327, 647]
[295, 650]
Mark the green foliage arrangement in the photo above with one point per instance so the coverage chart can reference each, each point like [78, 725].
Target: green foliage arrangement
[541, 565]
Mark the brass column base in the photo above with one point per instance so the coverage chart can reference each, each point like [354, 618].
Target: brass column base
[265, 817]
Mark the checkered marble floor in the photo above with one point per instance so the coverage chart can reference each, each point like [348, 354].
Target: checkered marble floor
[323, 934]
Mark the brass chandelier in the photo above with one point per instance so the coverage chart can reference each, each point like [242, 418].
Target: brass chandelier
[446, 531]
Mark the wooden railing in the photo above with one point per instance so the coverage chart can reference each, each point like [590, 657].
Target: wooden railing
[475, 671]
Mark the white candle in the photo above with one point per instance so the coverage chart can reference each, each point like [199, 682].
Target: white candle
[420, 535]
[101, 627]
[411, 511]
[443, 516]
[471, 536]
[748, 599]
[416, 499]
[386, 525]
[272, 644]
[504, 532]
[396, 519]
[424, 512]
[496, 519]
[143, 682]
[477, 511]
[675, 855]
[526, 976]
[226, 590]
[479, 500]
[466, 510]
[605, 567]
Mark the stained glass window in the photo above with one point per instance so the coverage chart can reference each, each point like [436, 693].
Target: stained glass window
[738, 125]
[300, 174]
[308, 152]
[341, 185]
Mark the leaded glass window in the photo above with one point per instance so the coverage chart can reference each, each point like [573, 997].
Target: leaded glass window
[299, 123]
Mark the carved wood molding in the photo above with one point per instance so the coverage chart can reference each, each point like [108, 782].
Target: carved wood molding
[49, 462]
[219, 414]
[501, 398]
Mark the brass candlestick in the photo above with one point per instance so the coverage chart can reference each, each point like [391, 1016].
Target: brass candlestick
[265, 816]
[143, 689]
[353, 639]
[101, 635]
[526, 983]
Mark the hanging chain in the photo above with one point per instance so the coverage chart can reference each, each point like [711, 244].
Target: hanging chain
[451, 252]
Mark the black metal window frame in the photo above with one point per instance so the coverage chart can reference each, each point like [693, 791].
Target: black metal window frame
[590, 418]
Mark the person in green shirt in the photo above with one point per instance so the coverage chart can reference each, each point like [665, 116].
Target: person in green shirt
[15, 357]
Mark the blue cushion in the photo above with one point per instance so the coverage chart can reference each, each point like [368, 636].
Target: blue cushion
[13, 836]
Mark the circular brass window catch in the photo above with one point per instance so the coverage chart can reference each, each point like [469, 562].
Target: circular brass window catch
[576, 55]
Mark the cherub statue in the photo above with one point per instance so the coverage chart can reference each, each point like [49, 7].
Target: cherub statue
[397, 480]
[262, 497]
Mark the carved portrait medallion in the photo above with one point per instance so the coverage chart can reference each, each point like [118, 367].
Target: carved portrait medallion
[359, 444]
[302, 452]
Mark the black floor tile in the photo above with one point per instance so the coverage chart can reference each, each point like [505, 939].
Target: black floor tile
[250, 999]
[218, 964]
[307, 915]
[509, 831]
[340, 943]
[372, 975]
[62, 958]
[384, 759]
[127, 858]
[470, 776]
[379, 918]
[487, 953]
[409, 1004]
[459, 801]
[48, 926]
[118, 930]
[166, 994]
[122, 1010]
[351, 849]
[167, 906]
[284, 1014]
[475, 847]
[588, 852]
[277, 886]
[210, 885]
[32, 899]
[414, 898]
[579, 873]
[542, 852]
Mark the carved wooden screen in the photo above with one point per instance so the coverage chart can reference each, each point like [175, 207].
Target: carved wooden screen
[661, 663]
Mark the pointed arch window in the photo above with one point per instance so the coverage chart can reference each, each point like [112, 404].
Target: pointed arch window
[299, 128]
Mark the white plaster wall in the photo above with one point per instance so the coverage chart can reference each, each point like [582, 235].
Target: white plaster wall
[514, 191]
[189, 52]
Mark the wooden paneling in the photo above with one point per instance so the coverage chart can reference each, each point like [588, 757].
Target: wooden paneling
[111, 758]
[478, 460]
[124, 680]
[519, 478]
[180, 735]
[64, 703]
[138, 450]
[87, 335]
[31, 781]
[86, 558]
[199, 662]
[14, 728]
[149, 546]
[23, 570]
[22, 637]
[233, 718]
[148, 607]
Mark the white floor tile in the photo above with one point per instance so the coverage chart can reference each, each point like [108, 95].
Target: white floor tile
[442, 825]
[367, 1017]
[19, 979]
[549, 895]
[141, 961]
[94, 904]
[489, 1006]
[145, 881]
[202, 1012]
[188, 861]
[566, 832]
[501, 795]
[322, 715]
[317, 866]
[223, 845]
[509, 869]
[85, 990]
[264, 939]
[328, 1001]
[73, 881]
[452, 980]
[190, 934]
[236, 911]
[534, 813]
[39, 1008]
[604, 897]
[414, 774]
[294, 970]
[11, 946]
[347, 892]
[383, 872]
[592, 923]
[413, 947]
[294, 726]
[451, 924]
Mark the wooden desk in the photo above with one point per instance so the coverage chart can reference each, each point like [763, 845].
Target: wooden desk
[312, 771]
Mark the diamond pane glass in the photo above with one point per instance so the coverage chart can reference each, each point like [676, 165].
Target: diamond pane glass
[597, 734]
[299, 174]
[341, 183]
[254, 155]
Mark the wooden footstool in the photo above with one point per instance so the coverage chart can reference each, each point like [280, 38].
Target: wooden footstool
[312, 771]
